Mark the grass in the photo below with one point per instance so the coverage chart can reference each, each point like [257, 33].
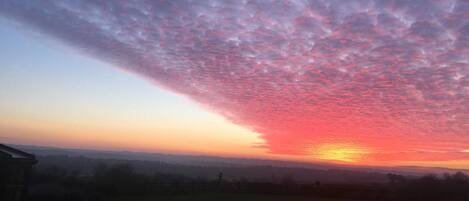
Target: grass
[228, 197]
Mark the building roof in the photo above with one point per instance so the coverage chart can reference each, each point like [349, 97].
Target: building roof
[12, 153]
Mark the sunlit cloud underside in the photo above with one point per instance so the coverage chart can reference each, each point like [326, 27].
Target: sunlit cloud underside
[337, 80]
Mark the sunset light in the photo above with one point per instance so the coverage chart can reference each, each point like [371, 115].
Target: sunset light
[279, 100]
[340, 152]
[367, 82]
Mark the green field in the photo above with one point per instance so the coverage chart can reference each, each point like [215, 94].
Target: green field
[228, 197]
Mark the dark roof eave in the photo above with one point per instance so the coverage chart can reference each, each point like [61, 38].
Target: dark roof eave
[9, 153]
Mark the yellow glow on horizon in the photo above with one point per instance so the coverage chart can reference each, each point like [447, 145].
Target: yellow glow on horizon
[340, 152]
[151, 135]
[465, 150]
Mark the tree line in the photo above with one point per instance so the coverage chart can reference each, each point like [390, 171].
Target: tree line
[108, 182]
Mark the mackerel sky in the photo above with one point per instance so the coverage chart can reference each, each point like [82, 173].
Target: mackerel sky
[386, 78]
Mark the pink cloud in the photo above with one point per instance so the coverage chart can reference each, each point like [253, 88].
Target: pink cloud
[385, 74]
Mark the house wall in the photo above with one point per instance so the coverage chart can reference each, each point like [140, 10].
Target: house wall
[13, 184]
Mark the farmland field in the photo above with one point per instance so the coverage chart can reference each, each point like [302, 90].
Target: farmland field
[229, 197]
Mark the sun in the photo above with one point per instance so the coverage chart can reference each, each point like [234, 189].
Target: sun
[340, 152]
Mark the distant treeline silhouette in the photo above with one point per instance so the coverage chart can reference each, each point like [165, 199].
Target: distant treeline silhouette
[450, 187]
[109, 182]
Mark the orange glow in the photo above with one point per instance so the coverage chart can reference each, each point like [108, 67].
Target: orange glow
[303, 89]
[340, 152]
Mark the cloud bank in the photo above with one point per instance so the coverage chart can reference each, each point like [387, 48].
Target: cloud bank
[390, 76]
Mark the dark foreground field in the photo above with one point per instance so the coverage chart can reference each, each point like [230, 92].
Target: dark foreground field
[62, 178]
[225, 197]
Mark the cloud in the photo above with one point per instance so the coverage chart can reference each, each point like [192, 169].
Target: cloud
[381, 74]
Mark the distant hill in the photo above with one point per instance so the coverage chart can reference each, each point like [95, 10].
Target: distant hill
[196, 165]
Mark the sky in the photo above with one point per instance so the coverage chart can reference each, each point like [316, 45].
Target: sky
[55, 96]
[363, 82]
